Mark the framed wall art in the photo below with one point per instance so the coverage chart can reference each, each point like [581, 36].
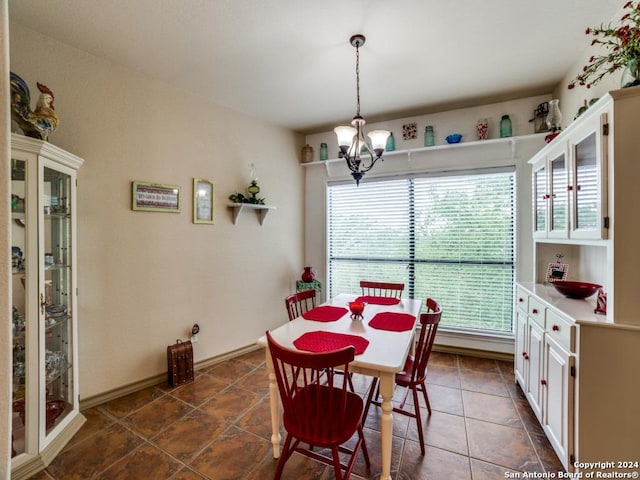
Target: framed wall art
[203, 201]
[155, 197]
[557, 272]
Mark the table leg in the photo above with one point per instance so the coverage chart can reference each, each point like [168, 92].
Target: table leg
[274, 399]
[386, 423]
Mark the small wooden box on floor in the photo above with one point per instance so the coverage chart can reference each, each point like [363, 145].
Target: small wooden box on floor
[180, 363]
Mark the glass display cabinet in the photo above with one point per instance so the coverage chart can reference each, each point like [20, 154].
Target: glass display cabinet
[45, 402]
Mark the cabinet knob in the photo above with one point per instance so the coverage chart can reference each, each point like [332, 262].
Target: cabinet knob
[526, 357]
[521, 300]
[524, 354]
[569, 187]
[555, 328]
[543, 381]
[545, 196]
[534, 311]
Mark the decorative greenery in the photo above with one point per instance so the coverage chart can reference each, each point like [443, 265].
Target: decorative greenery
[240, 198]
[623, 43]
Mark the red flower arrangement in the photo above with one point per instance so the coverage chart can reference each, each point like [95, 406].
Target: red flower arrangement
[623, 43]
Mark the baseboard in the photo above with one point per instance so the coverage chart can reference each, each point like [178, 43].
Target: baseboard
[110, 395]
[472, 352]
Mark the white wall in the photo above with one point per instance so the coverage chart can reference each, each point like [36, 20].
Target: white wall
[144, 277]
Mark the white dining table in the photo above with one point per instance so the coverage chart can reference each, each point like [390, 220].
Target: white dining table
[383, 358]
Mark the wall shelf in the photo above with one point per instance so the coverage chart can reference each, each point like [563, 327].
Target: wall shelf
[499, 148]
[262, 210]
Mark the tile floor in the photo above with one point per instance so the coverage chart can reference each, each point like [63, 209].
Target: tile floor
[218, 427]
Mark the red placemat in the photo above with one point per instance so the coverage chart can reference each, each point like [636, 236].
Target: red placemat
[319, 341]
[325, 313]
[378, 300]
[396, 322]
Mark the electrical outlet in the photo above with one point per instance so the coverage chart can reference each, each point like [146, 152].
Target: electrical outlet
[194, 333]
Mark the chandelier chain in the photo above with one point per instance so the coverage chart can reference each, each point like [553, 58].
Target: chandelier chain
[358, 78]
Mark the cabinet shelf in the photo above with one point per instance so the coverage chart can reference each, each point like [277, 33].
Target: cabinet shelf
[262, 210]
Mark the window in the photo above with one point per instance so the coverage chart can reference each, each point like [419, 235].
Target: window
[448, 236]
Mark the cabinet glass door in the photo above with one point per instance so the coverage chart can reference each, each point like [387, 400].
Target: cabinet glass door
[559, 205]
[586, 184]
[20, 320]
[540, 200]
[56, 296]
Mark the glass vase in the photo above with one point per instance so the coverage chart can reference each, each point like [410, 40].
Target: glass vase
[631, 74]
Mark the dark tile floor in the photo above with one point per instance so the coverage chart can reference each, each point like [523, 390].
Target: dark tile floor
[218, 427]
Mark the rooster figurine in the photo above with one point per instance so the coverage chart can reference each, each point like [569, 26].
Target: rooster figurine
[42, 121]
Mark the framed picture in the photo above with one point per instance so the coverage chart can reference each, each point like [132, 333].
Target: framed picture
[203, 201]
[155, 197]
[556, 272]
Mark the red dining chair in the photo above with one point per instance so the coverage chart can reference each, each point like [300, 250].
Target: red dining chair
[321, 415]
[300, 302]
[414, 373]
[381, 289]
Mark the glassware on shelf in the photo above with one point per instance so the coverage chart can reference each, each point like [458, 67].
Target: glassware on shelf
[505, 127]
[554, 118]
[482, 128]
[391, 143]
[429, 138]
[324, 151]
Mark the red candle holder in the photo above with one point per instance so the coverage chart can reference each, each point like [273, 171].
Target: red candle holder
[356, 310]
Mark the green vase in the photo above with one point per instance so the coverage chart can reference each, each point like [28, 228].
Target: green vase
[631, 74]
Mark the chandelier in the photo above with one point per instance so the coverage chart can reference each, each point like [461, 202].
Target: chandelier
[360, 155]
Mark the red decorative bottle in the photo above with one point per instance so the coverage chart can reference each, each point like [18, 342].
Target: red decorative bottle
[308, 275]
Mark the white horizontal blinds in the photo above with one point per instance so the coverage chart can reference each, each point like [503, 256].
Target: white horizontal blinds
[368, 234]
[449, 237]
[464, 254]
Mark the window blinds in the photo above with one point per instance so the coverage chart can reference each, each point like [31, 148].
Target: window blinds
[450, 237]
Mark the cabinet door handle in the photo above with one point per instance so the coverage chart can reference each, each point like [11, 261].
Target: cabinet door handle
[555, 328]
[543, 381]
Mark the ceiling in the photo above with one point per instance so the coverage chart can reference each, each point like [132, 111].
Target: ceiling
[290, 62]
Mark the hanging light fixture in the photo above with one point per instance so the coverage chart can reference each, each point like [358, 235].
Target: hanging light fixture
[353, 146]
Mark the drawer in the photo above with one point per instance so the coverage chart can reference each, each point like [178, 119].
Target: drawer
[561, 330]
[522, 299]
[536, 311]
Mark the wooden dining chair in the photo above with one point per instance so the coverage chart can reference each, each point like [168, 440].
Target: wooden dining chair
[413, 375]
[300, 302]
[320, 415]
[381, 289]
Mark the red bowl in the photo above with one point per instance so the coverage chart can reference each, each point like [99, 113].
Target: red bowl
[356, 308]
[579, 290]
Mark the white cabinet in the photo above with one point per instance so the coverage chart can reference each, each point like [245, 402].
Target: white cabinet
[45, 405]
[569, 182]
[585, 186]
[557, 380]
[543, 365]
[543, 368]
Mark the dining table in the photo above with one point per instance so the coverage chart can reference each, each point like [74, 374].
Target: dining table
[383, 337]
